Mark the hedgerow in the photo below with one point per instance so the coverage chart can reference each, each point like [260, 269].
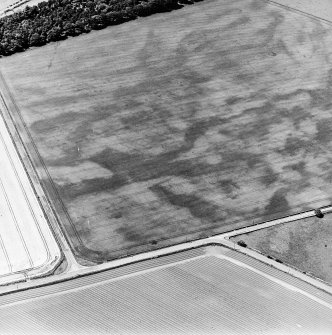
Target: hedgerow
[55, 20]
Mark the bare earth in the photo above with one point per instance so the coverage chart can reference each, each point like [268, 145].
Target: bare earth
[304, 244]
[180, 125]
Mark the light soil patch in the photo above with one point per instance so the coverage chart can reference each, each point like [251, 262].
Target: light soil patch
[180, 125]
[304, 244]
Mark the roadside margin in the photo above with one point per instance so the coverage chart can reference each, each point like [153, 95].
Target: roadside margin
[217, 240]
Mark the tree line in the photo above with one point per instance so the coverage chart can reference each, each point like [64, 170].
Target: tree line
[55, 20]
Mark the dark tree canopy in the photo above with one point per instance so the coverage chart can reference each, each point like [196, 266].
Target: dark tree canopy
[57, 19]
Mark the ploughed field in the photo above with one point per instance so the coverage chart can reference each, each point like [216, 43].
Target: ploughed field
[180, 125]
[305, 244]
[211, 291]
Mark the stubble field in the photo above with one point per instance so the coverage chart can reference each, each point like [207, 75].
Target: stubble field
[180, 125]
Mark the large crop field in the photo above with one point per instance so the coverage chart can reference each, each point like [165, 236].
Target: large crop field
[180, 125]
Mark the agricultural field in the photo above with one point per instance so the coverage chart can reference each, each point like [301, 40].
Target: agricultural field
[180, 125]
[305, 244]
[215, 291]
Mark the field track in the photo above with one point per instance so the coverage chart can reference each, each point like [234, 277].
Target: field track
[179, 129]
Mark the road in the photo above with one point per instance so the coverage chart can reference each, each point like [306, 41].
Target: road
[129, 263]
[210, 290]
